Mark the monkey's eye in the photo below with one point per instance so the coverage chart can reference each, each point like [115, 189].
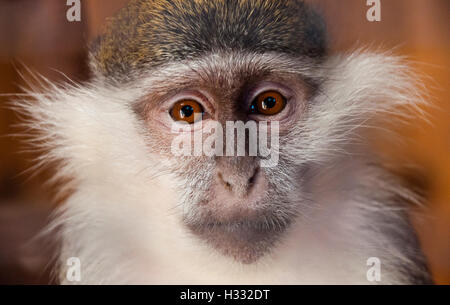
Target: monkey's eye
[268, 103]
[187, 111]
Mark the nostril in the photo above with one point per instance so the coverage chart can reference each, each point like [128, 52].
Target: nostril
[224, 182]
[252, 179]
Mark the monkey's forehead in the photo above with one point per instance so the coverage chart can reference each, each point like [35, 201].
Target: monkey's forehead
[148, 33]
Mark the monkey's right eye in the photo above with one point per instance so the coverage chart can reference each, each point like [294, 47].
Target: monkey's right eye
[188, 111]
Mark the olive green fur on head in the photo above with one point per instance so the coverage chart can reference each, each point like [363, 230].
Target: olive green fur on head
[149, 33]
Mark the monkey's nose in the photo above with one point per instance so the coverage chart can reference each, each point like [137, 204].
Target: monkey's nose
[239, 184]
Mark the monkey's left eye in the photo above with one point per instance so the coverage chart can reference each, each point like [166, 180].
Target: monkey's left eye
[188, 111]
[268, 103]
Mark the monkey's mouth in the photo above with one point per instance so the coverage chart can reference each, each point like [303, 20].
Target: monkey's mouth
[244, 239]
[244, 225]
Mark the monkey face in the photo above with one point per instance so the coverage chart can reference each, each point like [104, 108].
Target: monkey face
[231, 200]
[207, 63]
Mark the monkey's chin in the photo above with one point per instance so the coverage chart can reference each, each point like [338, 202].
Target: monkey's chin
[245, 240]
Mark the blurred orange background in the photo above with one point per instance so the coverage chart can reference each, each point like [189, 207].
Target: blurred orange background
[36, 34]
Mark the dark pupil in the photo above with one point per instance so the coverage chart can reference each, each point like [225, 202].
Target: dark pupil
[269, 102]
[186, 111]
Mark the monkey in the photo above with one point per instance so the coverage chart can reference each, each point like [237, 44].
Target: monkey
[138, 214]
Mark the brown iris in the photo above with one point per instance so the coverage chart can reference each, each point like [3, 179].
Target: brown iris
[187, 111]
[268, 103]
